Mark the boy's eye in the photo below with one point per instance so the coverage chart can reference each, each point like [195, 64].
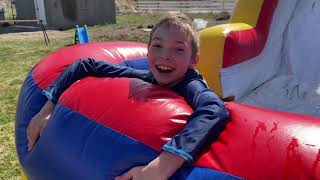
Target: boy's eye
[156, 45]
[180, 49]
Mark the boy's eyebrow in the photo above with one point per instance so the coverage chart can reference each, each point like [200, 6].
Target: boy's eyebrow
[179, 42]
[156, 38]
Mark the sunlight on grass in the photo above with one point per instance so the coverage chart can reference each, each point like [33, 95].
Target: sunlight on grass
[14, 67]
[17, 57]
[9, 166]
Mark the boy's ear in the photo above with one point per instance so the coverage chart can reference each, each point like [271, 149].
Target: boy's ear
[194, 61]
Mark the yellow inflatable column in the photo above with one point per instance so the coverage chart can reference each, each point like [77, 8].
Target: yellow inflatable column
[212, 40]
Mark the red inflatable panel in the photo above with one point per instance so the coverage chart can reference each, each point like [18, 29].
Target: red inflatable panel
[262, 144]
[113, 52]
[245, 44]
[257, 143]
[148, 113]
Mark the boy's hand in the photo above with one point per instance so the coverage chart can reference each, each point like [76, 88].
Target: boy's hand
[137, 173]
[161, 168]
[38, 123]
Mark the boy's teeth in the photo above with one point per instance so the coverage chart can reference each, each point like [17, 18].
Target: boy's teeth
[165, 68]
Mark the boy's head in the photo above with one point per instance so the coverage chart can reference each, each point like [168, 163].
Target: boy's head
[182, 23]
[173, 49]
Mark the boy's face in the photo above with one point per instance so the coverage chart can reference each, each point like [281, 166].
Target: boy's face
[169, 55]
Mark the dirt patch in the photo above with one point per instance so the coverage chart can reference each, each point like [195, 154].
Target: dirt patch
[102, 33]
[124, 33]
[36, 35]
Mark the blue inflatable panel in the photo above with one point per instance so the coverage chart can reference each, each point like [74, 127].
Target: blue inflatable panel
[198, 173]
[90, 151]
[93, 151]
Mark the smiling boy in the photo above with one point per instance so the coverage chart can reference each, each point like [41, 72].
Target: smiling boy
[172, 56]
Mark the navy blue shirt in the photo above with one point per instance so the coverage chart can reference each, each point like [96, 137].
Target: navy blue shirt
[209, 115]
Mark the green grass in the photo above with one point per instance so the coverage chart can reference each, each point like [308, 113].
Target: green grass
[9, 166]
[17, 57]
[132, 18]
[143, 18]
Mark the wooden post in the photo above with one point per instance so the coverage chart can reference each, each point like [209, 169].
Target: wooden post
[2, 17]
[13, 3]
[223, 5]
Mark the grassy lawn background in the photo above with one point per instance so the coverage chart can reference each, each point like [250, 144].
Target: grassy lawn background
[19, 53]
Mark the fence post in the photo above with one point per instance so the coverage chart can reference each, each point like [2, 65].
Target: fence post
[2, 17]
[223, 8]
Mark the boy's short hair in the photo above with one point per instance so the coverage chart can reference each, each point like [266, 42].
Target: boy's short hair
[182, 23]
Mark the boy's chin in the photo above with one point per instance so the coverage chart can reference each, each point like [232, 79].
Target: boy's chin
[163, 82]
[167, 83]
[166, 79]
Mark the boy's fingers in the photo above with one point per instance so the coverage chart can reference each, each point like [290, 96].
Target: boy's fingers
[125, 176]
[29, 128]
[43, 127]
[45, 124]
[31, 141]
[32, 137]
[128, 175]
[29, 135]
[30, 144]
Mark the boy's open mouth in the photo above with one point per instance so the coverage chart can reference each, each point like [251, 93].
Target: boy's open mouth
[164, 69]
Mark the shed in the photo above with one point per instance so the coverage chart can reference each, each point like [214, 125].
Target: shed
[64, 14]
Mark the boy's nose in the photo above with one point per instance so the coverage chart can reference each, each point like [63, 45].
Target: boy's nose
[166, 55]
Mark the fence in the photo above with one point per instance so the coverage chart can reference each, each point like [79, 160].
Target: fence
[192, 6]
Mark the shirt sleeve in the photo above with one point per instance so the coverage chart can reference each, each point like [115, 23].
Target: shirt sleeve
[89, 67]
[204, 125]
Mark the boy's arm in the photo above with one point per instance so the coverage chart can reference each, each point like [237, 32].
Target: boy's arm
[89, 67]
[76, 71]
[161, 168]
[204, 125]
[207, 121]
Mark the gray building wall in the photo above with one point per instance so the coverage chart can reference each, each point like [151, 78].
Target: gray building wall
[25, 9]
[68, 13]
[63, 14]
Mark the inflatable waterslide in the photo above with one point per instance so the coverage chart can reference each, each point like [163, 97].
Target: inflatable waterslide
[267, 57]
